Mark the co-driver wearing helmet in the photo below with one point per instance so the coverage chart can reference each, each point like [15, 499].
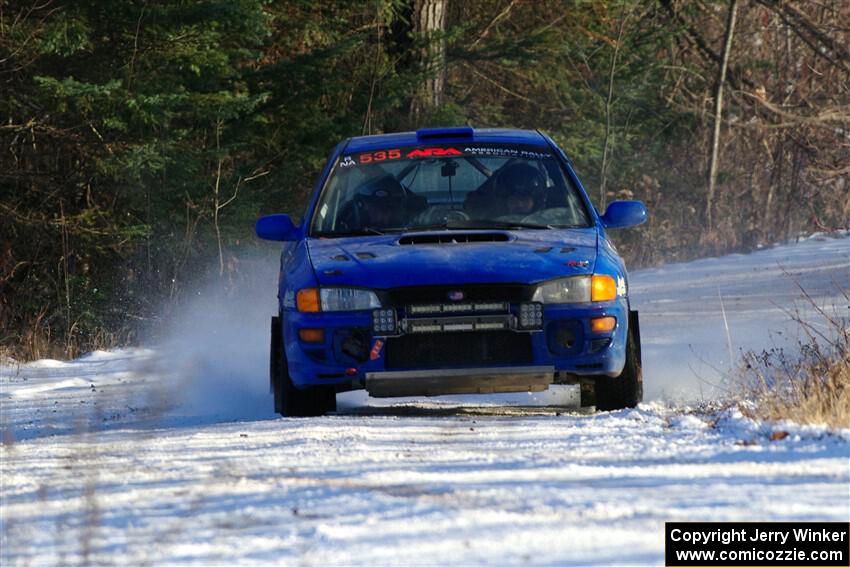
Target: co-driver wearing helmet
[518, 189]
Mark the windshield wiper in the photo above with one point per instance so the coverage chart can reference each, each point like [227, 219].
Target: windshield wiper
[358, 232]
[470, 224]
[497, 224]
[418, 227]
[452, 224]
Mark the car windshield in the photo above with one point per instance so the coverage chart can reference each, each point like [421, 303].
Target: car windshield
[446, 187]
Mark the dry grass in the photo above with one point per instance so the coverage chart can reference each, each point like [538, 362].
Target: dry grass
[811, 386]
[41, 340]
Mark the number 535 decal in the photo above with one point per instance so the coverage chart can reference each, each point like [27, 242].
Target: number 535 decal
[382, 155]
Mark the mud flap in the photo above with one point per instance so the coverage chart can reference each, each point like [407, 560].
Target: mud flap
[274, 353]
[634, 327]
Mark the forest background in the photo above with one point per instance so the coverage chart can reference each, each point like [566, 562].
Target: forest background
[140, 139]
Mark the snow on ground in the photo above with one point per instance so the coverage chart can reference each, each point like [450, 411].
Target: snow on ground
[172, 456]
[686, 345]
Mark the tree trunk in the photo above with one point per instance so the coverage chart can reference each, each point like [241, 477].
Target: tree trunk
[718, 110]
[608, 143]
[429, 22]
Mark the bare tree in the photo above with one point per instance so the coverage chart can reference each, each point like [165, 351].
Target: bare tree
[608, 143]
[718, 109]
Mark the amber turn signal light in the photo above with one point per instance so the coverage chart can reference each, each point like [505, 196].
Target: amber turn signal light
[603, 288]
[308, 300]
[603, 324]
[312, 335]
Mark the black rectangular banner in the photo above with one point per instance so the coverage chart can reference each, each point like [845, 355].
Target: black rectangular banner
[762, 544]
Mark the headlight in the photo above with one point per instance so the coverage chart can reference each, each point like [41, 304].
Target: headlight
[577, 289]
[564, 290]
[347, 299]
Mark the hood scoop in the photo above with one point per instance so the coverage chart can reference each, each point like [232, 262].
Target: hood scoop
[454, 238]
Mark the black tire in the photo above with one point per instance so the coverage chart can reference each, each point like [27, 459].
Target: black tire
[625, 390]
[290, 401]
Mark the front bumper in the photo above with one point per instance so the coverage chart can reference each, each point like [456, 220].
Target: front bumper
[353, 355]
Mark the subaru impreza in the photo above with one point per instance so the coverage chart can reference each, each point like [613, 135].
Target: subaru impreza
[451, 261]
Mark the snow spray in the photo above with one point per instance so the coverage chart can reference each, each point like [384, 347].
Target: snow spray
[216, 344]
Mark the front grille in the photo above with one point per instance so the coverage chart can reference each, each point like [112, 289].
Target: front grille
[439, 294]
[468, 349]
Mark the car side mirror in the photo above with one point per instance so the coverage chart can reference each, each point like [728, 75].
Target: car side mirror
[276, 227]
[623, 214]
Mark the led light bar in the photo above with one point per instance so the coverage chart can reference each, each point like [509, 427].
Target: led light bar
[495, 306]
[458, 324]
[424, 327]
[420, 309]
[436, 308]
[490, 326]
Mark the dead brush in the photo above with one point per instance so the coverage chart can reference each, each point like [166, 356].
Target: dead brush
[811, 386]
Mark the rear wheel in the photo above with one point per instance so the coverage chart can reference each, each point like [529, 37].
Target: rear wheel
[625, 390]
[290, 401]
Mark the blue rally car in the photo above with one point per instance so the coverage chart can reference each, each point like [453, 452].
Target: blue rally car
[449, 261]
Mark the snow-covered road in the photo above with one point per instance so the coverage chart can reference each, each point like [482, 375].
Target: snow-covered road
[172, 456]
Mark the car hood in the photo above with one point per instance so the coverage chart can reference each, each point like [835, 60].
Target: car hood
[387, 261]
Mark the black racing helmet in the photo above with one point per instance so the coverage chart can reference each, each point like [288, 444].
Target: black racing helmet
[381, 189]
[521, 179]
[382, 194]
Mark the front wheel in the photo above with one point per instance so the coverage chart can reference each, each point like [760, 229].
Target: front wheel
[290, 401]
[625, 390]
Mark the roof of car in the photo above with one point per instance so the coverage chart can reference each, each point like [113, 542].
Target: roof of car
[432, 136]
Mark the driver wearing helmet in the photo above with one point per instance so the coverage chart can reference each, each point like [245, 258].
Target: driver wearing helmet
[378, 203]
[517, 189]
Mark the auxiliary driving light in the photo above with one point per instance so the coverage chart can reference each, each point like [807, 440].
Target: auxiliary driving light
[383, 322]
[603, 324]
[531, 316]
[312, 335]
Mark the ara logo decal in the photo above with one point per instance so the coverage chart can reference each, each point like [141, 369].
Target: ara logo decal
[347, 162]
[376, 350]
[434, 152]
[621, 286]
